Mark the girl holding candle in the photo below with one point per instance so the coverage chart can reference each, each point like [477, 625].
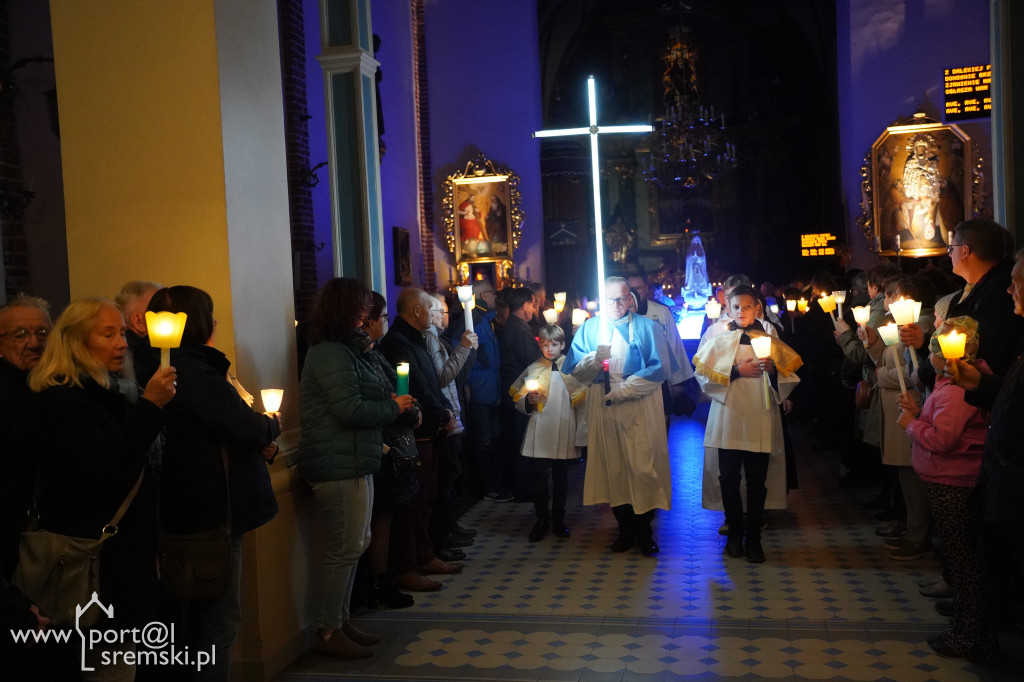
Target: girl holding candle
[895, 447]
[948, 437]
[344, 403]
[742, 435]
[549, 398]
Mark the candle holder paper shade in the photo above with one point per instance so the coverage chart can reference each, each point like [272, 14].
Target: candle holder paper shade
[551, 316]
[903, 311]
[579, 316]
[827, 303]
[917, 311]
[713, 310]
[560, 297]
[802, 305]
[559, 306]
[890, 334]
[402, 385]
[774, 307]
[165, 330]
[791, 305]
[952, 345]
[762, 347]
[861, 313]
[840, 296]
[531, 385]
[272, 398]
[465, 293]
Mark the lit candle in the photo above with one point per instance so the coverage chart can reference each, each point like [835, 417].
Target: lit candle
[827, 303]
[165, 331]
[532, 385]
[551, 316]
[952, 345]
[774, 307]
[903, 313]
[579, 316]
[559, 306]
[713, 309]
[272, 398]
[840, 297]
[591, 306]
[791, 305]
[402, 388]
[762, 347]
[861, 315]
[802, 305]
[890, 334]
[466, 297]
[560, 296]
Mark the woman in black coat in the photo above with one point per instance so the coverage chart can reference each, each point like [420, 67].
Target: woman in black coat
[94, 434]
[215, 452]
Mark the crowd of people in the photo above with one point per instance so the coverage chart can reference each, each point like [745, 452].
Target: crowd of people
[409, 416]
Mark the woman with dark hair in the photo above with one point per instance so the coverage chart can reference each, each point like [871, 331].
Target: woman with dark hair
[344, 403]
[95, 440]
[213, 474]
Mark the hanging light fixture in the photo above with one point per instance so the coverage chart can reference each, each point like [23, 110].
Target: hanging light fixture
[689, 144]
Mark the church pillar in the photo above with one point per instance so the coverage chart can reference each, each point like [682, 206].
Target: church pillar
[172, 142]
[354, 160]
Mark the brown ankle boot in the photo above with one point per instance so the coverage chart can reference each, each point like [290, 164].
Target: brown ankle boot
[336, 643]
[358, 636]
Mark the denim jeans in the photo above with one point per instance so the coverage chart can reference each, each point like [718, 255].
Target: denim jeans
[346, 506]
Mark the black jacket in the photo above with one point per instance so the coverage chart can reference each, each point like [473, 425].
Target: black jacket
[1000, 487]
[19, 464]
[206, 414]
[999, 329]
[405, 343]
[91, 445]
[519, 349]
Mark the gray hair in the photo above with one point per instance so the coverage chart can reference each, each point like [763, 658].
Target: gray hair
[132, 292]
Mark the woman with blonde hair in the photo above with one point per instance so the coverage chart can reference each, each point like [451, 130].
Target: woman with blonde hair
[96, 437]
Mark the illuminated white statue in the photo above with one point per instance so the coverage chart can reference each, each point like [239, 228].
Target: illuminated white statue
[697, 288]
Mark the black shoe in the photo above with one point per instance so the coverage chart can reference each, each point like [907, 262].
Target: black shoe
[540, 529]
[939, 646]
[623, 542]
[648, 546]
[455, 541]
[384, 595]
[734, 547]
[945, 607]
[449, 554]
[755, 553]
[457, 529]
[559, 529]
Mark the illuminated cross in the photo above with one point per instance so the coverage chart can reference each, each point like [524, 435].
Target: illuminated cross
[594, 130]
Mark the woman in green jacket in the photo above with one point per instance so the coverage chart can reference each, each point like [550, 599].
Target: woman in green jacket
[343, 406]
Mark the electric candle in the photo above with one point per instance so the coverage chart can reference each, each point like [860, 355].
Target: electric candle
[890, 334]
[272, 398]
[762, 347]
[402, 388]
[713, 309]
[165, 331]
[466, 297]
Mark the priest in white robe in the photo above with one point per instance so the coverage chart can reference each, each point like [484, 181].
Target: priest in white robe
[628, 462]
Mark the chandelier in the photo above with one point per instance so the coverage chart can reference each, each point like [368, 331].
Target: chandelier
[688, 145]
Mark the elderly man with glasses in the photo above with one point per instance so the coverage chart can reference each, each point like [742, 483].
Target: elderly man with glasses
[619, 355]
[24, 326]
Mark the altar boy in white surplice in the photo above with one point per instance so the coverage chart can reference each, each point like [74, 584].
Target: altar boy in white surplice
[743, 434]
[550, 441]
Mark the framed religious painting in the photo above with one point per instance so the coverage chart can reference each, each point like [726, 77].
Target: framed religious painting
[918, 183]
[402, 255]
[482, 218]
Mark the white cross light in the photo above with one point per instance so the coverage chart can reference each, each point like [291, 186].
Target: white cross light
[594, 130]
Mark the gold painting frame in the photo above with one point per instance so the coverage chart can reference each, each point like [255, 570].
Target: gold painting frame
[918, 182]
[483, 218]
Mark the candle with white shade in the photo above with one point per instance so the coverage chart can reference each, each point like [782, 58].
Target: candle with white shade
[560, 301]
[579, 316]
[532, 385]
[762, 347]
[551, 316]
[828, 304]
[890, 334]
[840, 297]
[903, 312]
[272, 398]
[165, 330]
[466, 297]
[713, 309]
[862, 314]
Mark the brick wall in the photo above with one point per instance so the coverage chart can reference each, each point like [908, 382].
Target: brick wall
[15, 248]
[423, 161]
[300, 195]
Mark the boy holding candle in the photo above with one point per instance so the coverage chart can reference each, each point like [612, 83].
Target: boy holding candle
[743, 435]
[948, 437]
[549, 398]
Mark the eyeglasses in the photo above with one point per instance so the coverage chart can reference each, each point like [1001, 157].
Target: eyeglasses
[949, 248]
[20, 334]
[617, 301]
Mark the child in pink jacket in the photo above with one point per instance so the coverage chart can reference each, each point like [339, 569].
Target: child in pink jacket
[948, 437]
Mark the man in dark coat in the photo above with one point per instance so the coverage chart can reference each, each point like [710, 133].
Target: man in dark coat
[132, 299]
[414, 556]
[519, 349]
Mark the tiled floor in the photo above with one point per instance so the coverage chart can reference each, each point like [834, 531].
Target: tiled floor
[828, 604]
